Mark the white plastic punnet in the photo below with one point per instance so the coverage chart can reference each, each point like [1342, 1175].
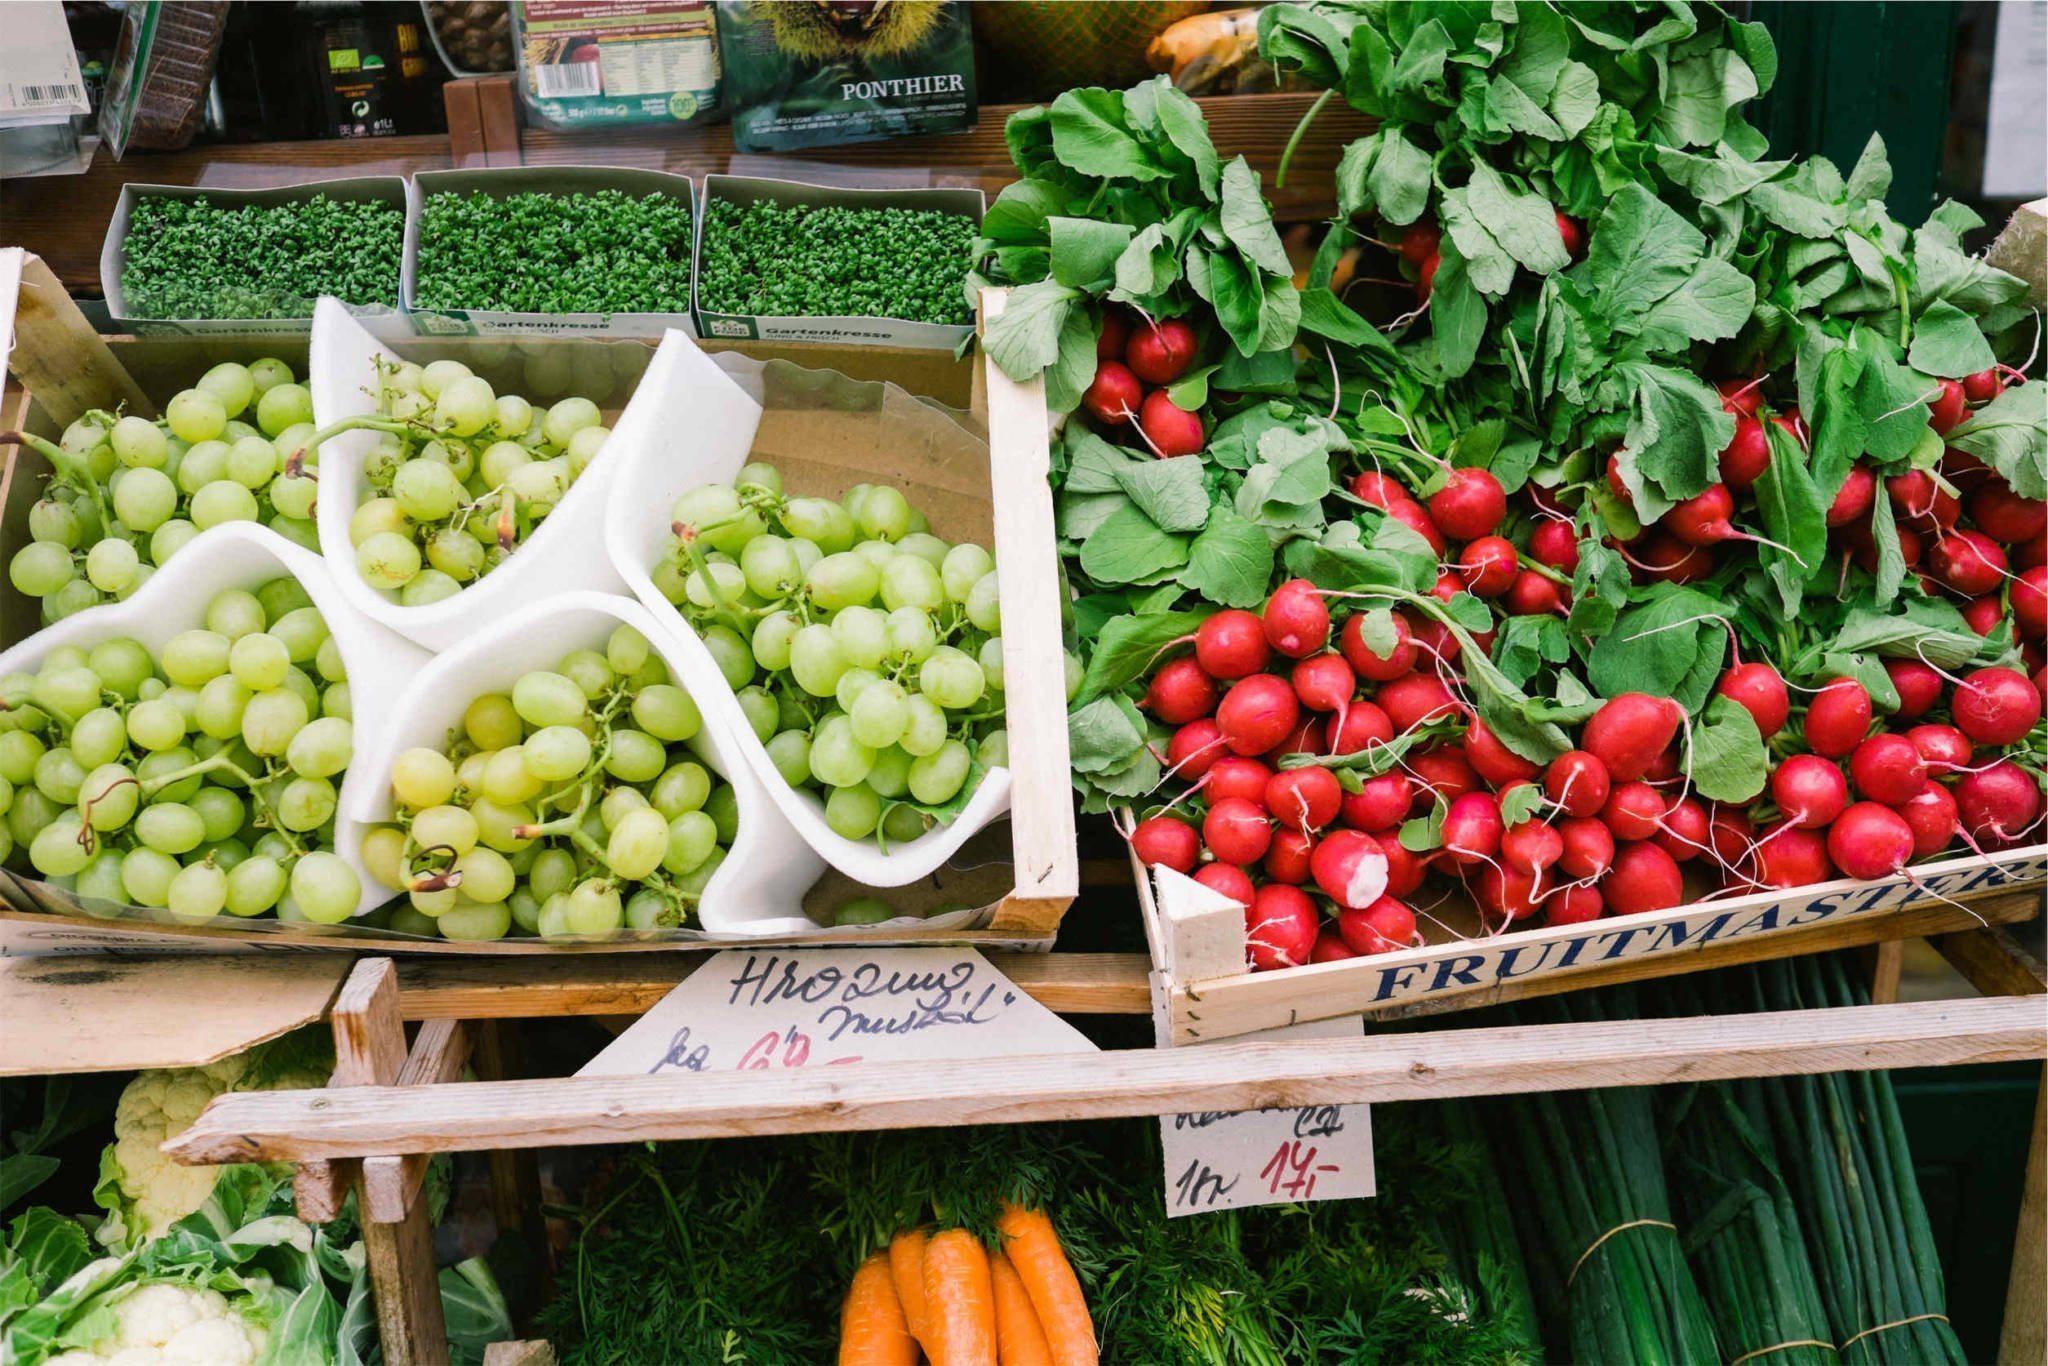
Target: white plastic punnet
[244, 555]
[560, 555]
[758, 890]
[691, 423]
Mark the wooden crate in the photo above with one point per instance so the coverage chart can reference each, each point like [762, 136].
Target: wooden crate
[374, 1128]
[64, 368]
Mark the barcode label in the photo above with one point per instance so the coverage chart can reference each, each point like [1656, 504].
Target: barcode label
[23, 95]
[567, 80]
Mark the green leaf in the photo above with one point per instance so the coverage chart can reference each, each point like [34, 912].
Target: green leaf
[1287, 485]
[1523, 223]
[1395, 556]
[1231, 288]
[1089, 135]
[1180, 118]
[1425, 833]
[1148, 267]
[1891, 560]
[1020, 211]
[1354, 174]
[1323, 314]
[1794, 515]
[1924, 628]
[1231, 562]
[2010, 434]
[1399, 178]
[1104, 734]
[1641, 251]
[1653, 647]
[1421, 62]
[1247, 222]
[1711, 305]
[1073, 370]
[1169, 492]
[1947, 342]
[1677, 429]
[1727, 761]
[1700, 92]
[1025, 337]
[1575, 99]
[1129, 548]
[1085, 251]
[1488, 264]
[1871, 177]
[1129, 647]
[1599, 589]
[1279, 317]
[1457, 315]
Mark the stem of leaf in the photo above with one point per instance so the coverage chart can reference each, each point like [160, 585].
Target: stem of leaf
[1294, 140]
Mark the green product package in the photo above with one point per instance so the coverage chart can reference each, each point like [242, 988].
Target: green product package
[811, 73]
[608, 63]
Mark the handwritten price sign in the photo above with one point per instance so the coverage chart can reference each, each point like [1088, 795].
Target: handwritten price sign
[763, 1009]
[1223, 1159]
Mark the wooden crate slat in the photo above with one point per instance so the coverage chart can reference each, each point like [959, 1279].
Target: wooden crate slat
[391, 1184]
[1993, 961]
[255, 1126]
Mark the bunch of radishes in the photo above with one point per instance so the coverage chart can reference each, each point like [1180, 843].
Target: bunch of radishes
[1129, 355]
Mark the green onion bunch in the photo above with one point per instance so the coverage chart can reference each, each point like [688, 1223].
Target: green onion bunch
[768, 261]
[600, 252]
[190, 258]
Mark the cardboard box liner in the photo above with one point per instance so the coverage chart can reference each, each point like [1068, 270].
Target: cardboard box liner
[744, 190]
[555, 180]
[382, 319]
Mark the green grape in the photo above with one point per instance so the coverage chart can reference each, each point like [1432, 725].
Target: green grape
[57, 522]
[714, 584]
[388, 560]
[863, 635]
[876, 553]
[268, 373]
[234, 614]
[553, 871]
[635, 757]
[302, 630]
[993, 749]
[196, 415]
[59, 775]
[328, 663]
[422, 777]
[509, 778]
[772, 636]
[842, 580]
[306, 804]
[435, 376]
[762, 712]
[221, 502]
[99, 737]
[204, 464]
[108, 796]
[500, 459]
[965, 565]
[990, 658]
[122, 666]
[568, 417]
[584, 448]
[734, 659]
[838, 758]
[170, 827]
[524, 908]
[198, 892]
[7, 795]
[146, 876]
[618, 803]
[100, 879]
[544, 698]
[383, 852]
[790, 752]
[259, 661]
[487, 875]
[168, 539]
[924, 546]
[637, 844]
[820, 521]
[903, 823]
[689, 840]
[539, 486]
[667, 713]
[156, 767]
[139, 444]
[472, 921]
[19, 751]
[433, 904]
[594, 908]
[911, 582]
[68, 690]
[426, 490]
[884, 514]
[254, 886]
[769, 567]
[816, 660]
[232, 384]
[281, 406]
[853, 812]
[492, 721]
[936, 777]
[40, 568]
[427, 586]
[252, 462]
[141, 576]
[890, 777]
[458, 556]
[31, 812]
[878, 716]
[325, 887]
[156, 725]
[514, 415]
[723, 806]
[951, 678]
[693, 883]
[758, 475]
[322, 749]
[682, 787]
[466, 406]
[985, 605]
[647, 909]
[221, 812]
[447, 827]
[627, 651]
[74, 597]
[555, 754]
[221, 703]
[378, 516]
[925, 730]
[271, 719]
[588, 670]
[293, 497]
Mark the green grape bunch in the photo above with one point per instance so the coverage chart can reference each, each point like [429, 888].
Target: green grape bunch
[460, 476]
[867, 653]
[572, 804]
[128, 492]
[198, 779]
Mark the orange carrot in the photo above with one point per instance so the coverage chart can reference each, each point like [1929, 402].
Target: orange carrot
[906, 1268]
[1019, 1339]
[1034, 1249]
[871, 1327]
[960, 1301]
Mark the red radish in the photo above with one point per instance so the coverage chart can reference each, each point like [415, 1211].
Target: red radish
[1488, 565]
[1350, 867]
[1531, 846]
[1236, 776]
[1810, 791]
[1629, 731]
[1998, 803]
[1949, 408]
[1944, 749]
[1983, 386]
[1382, 927]
[1113, 396]
[1163, 842]
[1444, 773]
[1330, 949]
[1837, 718]
[1412, 515]
[1380, 490]
[1740, 396]
[1920, 500]
[1683, 834]
[1420, 241]
[1588, 848]
[1491, 759]
[1361, 726]
[1983, 614]
[1577, 782]
[1634, 811]
[1237, 831]
[1171, 429]
[1288, 859]
[1747, 455]
[1995, 706]
[1663, 558]
[1703, 519]
[1556, 544]
[1381, 803]
[1870, 841]
[1472, 828]
[1306, 738]
[1180, 692]
[2029, 599]
[1116, 330]
[1919, 686]
[1931, 813]
[1257, 713]
[1160, 353]
[1297, 621]
[1887, 768]
[1280, 928]
[1469, 505]
[1728, 835]
[1232, 644]
[1663, 768]
[1532, 595]
[1376, 667]
[1404, 866]
[1434, 640]
[1425, 275]
[1448, 585]
[1864, 547]
[2041, 682]
[1787, 858]
[1323, 682]
[1969, 562]
[1644, 878]
[1505, 895]
[1854, 498]
[1194, 749]
[2004, 516]
[2030, 552]
[1758, 690]
[1228, 879]
[1304, 798]
[1792, 424]
[1417, 698]
[1574, 905]
[1571, 234]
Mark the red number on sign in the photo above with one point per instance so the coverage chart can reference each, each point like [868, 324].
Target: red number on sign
[1293, 1170]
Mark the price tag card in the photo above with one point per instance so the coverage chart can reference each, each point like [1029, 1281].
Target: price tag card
[763, 1008]
[1230, 1159]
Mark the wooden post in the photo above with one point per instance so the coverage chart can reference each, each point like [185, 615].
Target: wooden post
[369, 1050]
[2024, 1339]
[1887, 960]
[515, 1174]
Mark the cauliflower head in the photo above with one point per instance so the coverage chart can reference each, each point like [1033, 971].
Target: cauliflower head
[166, 1324]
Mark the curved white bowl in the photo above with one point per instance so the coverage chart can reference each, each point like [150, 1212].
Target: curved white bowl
[759, 888]
[561, 555]
[243, 555]
[691, 423]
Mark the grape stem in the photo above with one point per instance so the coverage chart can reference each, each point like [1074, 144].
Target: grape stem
[69, 469]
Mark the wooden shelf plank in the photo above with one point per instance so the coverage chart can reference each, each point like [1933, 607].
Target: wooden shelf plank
[468, 1116]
